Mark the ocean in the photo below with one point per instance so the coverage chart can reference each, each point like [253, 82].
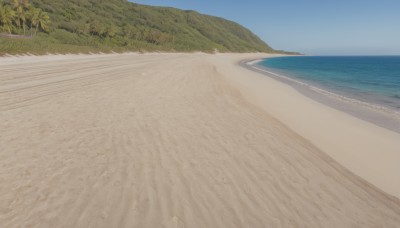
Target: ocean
[373, 80]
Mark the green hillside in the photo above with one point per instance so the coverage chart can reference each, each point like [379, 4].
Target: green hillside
[119, 25]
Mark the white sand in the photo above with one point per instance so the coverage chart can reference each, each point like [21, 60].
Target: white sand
[182, 140]
[369, 151]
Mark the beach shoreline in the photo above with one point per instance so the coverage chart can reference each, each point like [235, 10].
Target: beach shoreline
[375, 114]
[368, 150]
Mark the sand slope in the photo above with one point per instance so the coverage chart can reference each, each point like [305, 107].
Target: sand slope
[161, 140]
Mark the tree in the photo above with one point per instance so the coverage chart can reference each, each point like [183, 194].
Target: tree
[97, 29]
[83, 28]
[7, 16]
[31, 13]
[40, 20]
[111, 31]
[19, 11]
[20, 7]
[130, 32]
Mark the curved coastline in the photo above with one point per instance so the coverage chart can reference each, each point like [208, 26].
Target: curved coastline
[367, 149]
[372, 113]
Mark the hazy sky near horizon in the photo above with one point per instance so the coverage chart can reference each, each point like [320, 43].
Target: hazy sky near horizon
[318, 27]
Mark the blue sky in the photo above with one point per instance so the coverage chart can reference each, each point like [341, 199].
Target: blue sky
[319, 27]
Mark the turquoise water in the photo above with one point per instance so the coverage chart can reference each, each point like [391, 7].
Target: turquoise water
[372, 79]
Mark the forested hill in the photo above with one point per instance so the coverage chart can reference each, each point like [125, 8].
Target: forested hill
[119, 25]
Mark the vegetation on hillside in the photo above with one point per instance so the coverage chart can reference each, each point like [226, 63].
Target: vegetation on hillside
[119, 25]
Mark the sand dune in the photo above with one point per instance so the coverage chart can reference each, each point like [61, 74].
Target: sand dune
[162, 140]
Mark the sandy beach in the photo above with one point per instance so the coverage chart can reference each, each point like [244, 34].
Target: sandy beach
[183, 140]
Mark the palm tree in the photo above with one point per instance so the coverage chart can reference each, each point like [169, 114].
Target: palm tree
[40, 19]
[31, 12]
[34, 18]
[7, 15]
[18, 10]
[20, 7]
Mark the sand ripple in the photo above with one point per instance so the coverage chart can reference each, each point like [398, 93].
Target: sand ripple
[161, 140]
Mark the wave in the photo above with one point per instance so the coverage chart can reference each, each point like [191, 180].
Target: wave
[253, 64]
